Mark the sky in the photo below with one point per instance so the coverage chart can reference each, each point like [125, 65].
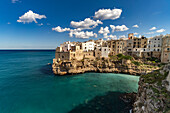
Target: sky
[45, 24]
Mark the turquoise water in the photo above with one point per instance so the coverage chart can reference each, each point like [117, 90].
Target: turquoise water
[27, 84]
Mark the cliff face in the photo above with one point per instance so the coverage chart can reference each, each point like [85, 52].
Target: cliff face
[107, 65]
[153, 93]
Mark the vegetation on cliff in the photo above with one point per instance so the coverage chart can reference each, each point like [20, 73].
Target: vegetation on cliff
[153, 95]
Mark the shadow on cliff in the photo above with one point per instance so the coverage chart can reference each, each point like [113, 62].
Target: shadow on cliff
[111, 102]
[47, 69]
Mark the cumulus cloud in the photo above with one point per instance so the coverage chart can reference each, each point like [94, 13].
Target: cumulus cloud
[135, 26]
[119, 28]
[104, 31]
[113, 28]
[59, 29]
[86, 24]
[29, 17]
[160, 31]
[82, 34]
[104, 14]
[8, 23]
[153, 28]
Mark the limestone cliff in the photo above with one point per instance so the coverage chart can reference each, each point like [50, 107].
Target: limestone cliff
[153, 93]
[103, 65]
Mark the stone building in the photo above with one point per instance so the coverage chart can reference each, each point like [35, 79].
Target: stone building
[165, 55]
[102, 52]
[74, 53]
[139, 46]
[117, 46]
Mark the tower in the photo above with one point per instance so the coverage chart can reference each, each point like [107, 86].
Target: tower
[130, 36]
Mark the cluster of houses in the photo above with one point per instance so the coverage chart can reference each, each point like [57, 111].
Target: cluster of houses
[158, 47]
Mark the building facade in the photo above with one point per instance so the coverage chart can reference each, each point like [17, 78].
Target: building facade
[165, 55]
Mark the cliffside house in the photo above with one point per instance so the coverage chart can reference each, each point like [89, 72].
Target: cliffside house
[165, 55]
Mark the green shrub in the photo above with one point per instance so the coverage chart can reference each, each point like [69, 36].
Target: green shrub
[120, 55]
[136, 63]
[127, 57]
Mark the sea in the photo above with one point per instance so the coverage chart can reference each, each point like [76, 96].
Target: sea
[28, 85]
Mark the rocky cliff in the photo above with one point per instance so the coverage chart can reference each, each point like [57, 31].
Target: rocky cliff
[154, 92]
[103, 65]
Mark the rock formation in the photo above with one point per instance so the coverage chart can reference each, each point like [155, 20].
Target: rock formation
[153, 92]
[103, 65]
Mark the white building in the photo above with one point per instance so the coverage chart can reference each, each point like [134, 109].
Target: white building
[66, 46]
[88, 46]
[98, 43]
[155, 43]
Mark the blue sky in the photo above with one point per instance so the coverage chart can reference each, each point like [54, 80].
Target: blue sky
[25, 33]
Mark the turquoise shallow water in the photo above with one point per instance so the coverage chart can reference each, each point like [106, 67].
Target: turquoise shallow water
[27, 84]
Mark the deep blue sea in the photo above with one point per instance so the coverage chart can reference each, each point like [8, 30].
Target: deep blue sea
[27, 84]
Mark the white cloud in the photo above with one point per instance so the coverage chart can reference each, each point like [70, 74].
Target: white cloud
[8, 23]
[153, 28]
[40, 24]
[82, 34]
[150, 33]
[104, 31]
[160, 31]
[113, 28]
[14, 1]
[122, 36]
[29, 17]
[135, 26]
[104, 14]
[113, 37]
[86, 24]
[135, 33]
[59, 29]
[119, 28]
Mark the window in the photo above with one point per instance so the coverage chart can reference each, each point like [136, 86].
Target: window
[154, 50]
[168, 49]
[158, 49]
[158, 45]
[155, 38]
[62, 56]
[158, 38]
[154, 46]
[104, 49]
[144, 50]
